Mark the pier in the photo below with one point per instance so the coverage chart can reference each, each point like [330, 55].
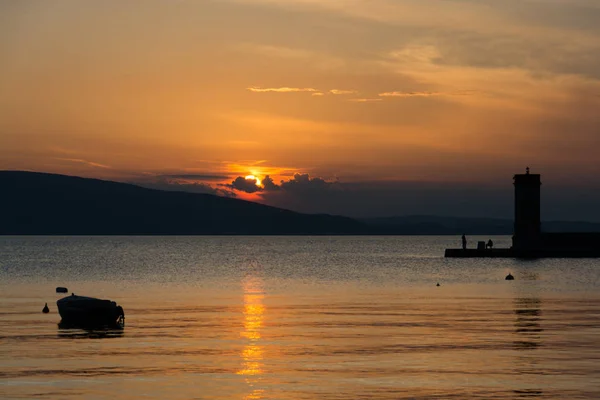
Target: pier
[528, 239]
[510, 253]
[477, 253]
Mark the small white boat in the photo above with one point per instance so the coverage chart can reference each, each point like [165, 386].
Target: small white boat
[89, 312]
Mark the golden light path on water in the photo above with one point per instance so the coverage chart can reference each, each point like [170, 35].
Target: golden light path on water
[252, 354]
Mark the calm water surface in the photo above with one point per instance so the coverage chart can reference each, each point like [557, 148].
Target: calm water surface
[297, 318]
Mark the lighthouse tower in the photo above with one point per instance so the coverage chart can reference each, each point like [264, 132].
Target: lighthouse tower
[527, 234]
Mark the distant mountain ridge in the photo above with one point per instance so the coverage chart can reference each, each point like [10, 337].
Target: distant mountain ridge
[33, 203]
[49, 204]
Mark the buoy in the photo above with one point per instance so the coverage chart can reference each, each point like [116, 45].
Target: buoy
[438, 284]
[509, 277]
[61, 289]
[46, 310]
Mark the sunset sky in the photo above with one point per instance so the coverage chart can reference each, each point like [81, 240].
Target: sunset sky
[354, 107]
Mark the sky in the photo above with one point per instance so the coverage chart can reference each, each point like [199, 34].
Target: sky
[355, 107]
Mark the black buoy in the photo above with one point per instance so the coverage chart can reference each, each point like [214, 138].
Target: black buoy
[61, 289]
[509, 277]
[438, 284]
[46, 310]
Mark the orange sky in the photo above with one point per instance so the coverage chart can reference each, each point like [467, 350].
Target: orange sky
[349, 90]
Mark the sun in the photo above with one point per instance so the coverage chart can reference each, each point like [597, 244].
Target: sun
[253, 178]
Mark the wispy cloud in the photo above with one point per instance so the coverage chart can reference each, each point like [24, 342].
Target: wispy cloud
[199, 177]
[315, 92]
[281, 90]
[85, 162]
[410, 94]
[427, 94]
[182, 185]
[342, 92]
[364, 100]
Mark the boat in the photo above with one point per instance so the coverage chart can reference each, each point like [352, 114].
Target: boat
[89, 312]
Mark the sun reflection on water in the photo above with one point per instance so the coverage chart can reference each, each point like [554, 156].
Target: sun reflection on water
[252, 354]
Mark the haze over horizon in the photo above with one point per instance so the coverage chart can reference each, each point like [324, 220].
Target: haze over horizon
[346, 107]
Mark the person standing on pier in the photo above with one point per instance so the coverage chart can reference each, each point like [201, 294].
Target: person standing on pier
[464, 242]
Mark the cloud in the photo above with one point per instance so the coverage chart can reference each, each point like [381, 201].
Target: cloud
[163, 183]
[297, 184]
[199, 177]
[315, 92]
[269, 185]
[281, 90]
[342, 92]
[86, 162]
[244, 185]
[410, 94]
[364, 100]
[429, 94]
[303, 182]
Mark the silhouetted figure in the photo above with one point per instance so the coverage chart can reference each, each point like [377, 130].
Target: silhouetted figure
[46, 310]
[490, 244]
[438, 284]
[464, 242]
[509, 277]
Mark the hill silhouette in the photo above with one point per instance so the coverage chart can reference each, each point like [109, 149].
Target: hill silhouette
[49, 204]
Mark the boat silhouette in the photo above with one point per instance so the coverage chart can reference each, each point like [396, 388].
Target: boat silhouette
[89, 312]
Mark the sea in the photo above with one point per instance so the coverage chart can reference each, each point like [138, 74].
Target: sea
[297, 317]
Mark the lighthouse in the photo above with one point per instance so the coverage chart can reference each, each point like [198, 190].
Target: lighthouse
[527, 232]
[528, 239]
